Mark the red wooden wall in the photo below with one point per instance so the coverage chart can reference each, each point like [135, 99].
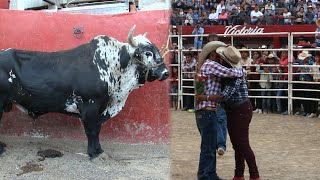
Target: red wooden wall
[145, 117]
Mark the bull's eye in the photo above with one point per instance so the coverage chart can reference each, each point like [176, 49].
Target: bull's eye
[148, 53]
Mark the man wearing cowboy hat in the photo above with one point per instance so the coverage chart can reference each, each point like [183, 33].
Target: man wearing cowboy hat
[206, 116]
[239, 114]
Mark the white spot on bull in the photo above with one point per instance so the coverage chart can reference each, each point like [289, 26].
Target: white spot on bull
[71, 104]
[91, 101]
[12, 76]
[21, 108]
[73, 108]
[164, 71]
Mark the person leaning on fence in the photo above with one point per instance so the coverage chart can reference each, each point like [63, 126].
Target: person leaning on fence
[265, 86]
[174, 88]
[188, 68]
[255, 102]
[239, 114]
[316, 77]
[309, 107]
[284, 61]
[206, 116]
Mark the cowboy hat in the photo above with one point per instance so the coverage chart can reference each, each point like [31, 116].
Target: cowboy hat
[270, 56]
[303, 55]
[209, 47]
[318, 22]
[231, 55]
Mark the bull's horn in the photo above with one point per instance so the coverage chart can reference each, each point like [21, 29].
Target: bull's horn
[131, 41]
[145, 34]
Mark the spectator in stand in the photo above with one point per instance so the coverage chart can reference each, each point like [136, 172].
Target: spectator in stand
[316, 77]
[317, 10]
[233, 16]
[241, 16]
[198, 30]
[198, 5]
[269, 13]
[204, 18]
[189, 19]
[301, 4]
[310, 16]
[230, 6]
[174, 88]
[220, 7]
[317, 36]
[189, 4]
[289, 4]
[286, 16]
[259, 2]
[265, 85]
[173, 19]
[178, 4]
[209, 4]
[269, 9]
[195, 16]
[180, 17]
[223, 18]
[188, 67]
[257, 102]
[309, 3]
[214, 17]
[256, 16]
[300, 17]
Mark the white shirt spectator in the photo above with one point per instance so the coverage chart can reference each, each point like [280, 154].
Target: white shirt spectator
[287, 17]
[255, 15]
[220, 7]
[213, 16]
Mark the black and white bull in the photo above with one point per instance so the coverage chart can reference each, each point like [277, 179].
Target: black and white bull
[91, 81]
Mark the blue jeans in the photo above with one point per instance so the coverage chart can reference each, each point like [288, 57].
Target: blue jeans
[198, 44]
[221, 128]
[207, 126]
[266, 102]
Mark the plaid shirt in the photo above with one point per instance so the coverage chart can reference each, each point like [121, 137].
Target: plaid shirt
[236, 91]
[215, 71]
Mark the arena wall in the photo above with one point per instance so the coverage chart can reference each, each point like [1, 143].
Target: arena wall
[145, 117]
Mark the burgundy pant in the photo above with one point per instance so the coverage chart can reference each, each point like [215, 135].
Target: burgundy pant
[238, 120]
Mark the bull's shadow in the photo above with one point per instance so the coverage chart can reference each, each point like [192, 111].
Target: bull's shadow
[91, 81]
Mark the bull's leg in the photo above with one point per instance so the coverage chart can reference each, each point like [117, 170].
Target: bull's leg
[90, 117]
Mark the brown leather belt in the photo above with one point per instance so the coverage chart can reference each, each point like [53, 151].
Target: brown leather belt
[209, 108]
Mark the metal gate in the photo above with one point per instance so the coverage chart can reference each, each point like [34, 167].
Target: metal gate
[180, 50]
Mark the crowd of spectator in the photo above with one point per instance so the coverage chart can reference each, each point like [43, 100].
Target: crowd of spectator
[259, 65]
[242, 12]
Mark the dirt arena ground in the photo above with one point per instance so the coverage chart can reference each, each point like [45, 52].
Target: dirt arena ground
[286, 147]
[137, 162]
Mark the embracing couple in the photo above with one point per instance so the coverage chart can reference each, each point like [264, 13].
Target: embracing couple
[226, 84]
